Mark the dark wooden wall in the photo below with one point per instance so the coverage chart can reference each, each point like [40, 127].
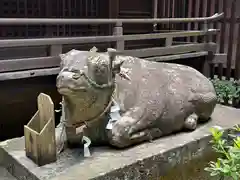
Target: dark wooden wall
[18, 102]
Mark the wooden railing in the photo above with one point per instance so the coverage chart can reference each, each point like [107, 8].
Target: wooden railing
[40, 66]
[228, 40]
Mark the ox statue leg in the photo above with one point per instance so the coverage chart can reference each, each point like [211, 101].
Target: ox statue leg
[191, 122]
[205, 105]
[133, 128]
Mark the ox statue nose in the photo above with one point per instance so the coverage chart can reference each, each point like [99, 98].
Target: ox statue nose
[64, 78]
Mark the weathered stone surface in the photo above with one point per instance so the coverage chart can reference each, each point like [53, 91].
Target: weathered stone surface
[158, 100]
[5, 175]
[145, 161]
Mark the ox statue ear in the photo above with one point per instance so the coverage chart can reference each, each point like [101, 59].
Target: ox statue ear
[92, 52]
[111, 50]
[116, 62]
[117, 65]
[62, 56]
[93, 49]
[62, 60]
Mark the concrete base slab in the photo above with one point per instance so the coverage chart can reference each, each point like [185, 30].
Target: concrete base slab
[144, 161]
[5, 175]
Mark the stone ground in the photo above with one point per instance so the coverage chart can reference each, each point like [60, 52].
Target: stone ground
[5, 175]
[145, 161]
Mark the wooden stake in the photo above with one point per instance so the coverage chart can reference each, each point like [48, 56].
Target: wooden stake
[40, 143]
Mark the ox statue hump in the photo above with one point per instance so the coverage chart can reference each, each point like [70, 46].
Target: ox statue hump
[128, 100]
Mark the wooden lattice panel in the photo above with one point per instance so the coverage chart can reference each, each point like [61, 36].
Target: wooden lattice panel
[22, 9]
[49, 9]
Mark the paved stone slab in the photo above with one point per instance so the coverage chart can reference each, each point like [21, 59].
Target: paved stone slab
[5, 175]
[148, 160]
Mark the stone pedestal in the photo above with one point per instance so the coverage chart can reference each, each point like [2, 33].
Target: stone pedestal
[145, 161]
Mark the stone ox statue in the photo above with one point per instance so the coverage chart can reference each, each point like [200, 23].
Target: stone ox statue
[127, 100]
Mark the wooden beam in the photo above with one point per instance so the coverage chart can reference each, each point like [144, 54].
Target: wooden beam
[29, 63]
[118, 31]
[219, 59]
[54, 61]
[96, 39]
[29, 73]
[169, 42]
[178, 56]
[231, 39]
[161, 51]
[55, 50]
[62, 21]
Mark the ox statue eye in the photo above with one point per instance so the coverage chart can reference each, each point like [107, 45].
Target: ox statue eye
[76, 76]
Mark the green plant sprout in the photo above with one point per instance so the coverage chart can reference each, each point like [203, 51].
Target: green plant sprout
[228, 148]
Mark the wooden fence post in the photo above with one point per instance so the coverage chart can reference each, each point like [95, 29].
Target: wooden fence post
[113, 10]
[118, 31]
[168, 41]
[155, 12]
[231, 39]
[55, 50]
[211, 53]
[237, 61]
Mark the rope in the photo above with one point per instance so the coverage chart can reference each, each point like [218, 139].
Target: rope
[96, 86]
[64, 122]
[98, 116]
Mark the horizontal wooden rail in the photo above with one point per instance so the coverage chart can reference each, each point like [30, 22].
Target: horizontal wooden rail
[97, 39]
[29, 63]
[229, 20]
[218, 58]
[29, 73]
[160, 53]
[45, 21]
[177, 56]
[171, 50]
